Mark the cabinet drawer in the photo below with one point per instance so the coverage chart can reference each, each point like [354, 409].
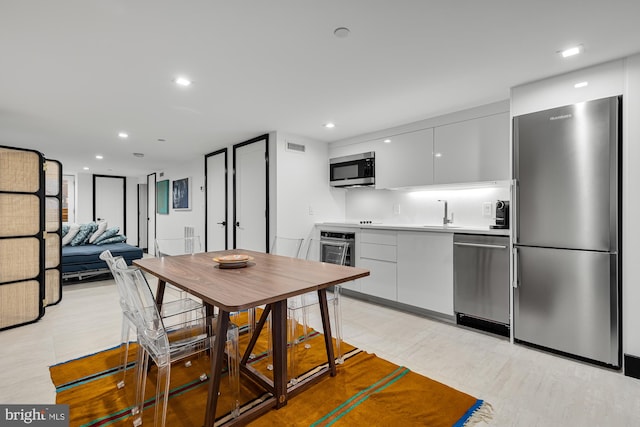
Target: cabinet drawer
[381, 237]
[382, 281]
[379, 252]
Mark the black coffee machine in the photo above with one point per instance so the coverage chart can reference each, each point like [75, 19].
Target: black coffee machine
[502, 215]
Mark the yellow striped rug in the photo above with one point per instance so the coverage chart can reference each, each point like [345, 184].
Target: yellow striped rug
[368, 391]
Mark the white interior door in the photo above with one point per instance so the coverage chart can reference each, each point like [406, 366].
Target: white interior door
[151, 213]
[69, 197]
[109, 200]
[250, 210]
[216, 171]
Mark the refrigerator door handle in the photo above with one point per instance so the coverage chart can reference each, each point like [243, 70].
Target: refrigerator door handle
[516, 271]
[514, 209]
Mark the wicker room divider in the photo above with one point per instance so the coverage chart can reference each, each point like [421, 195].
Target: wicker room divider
[22, 231]
[53, 235]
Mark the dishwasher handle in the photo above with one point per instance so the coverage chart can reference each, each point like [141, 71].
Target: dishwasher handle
[480, 245]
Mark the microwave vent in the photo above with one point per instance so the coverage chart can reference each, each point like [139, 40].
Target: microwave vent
[298, 148]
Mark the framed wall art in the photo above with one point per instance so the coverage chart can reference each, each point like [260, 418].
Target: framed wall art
[162, 197]
[182, 194]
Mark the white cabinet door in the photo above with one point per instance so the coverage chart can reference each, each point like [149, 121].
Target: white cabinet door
[425, 270]
[377, 253]
[382, 280]
[472, 150]
[348, 150]
[407, 160]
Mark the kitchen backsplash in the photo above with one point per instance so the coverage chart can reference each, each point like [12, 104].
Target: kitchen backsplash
[421, 206]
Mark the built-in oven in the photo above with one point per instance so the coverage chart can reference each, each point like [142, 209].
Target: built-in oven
[329, 251]
[354, 170]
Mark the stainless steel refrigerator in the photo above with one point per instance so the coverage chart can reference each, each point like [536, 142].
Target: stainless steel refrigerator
[567, 244]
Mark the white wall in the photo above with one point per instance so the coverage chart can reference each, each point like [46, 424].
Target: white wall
[172, 225]
[84, 198]
[303, 196]
[458, 116]
[604, 80]
[84, 203]
[631, 208]
[421, 206]
[609, 79]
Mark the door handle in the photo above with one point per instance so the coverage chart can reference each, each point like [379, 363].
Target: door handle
[223, 223]
[516, 274]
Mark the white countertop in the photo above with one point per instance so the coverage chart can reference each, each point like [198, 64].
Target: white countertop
[417, 227]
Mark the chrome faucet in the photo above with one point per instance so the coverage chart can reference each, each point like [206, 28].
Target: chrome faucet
[445, 218]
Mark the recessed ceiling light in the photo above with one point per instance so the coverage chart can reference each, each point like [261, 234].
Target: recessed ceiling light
[341, 32]
[438, 154]
[99, 157]
[123, 135]
[85, 168]
[571, 51]
[139, 155]
[182, 81]
[329, 125]
[387, 141]
[161, 140]
[581, 84]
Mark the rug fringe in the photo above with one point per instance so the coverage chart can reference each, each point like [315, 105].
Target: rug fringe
[482, 414]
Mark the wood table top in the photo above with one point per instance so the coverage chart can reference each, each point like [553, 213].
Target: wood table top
[266, 279]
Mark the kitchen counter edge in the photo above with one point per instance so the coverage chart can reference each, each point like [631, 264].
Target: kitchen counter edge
[409, 227]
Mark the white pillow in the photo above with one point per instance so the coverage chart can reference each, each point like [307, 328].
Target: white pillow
[102, 226]
[73, 230]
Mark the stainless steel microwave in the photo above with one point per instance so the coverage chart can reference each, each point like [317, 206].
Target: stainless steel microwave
[355, 170]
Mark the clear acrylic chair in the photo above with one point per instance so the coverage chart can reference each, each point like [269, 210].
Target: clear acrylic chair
[187, 310]
[178, 246]
[284, 246]
[299, 308]
[164, 344]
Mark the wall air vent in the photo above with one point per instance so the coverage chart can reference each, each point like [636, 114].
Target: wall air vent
[298, 148]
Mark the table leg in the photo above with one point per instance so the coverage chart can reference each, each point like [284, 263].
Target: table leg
[217, 362]
[160, 293]
[326, 325]
[279, 342]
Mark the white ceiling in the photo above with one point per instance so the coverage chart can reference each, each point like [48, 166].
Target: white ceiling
[73, 73]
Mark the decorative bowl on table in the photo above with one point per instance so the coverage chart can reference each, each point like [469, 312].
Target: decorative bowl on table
[233, 261]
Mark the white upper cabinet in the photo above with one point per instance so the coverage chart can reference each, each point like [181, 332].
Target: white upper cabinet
[472, 150]
[406, 160]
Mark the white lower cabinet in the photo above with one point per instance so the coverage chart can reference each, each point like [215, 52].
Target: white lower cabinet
[377, 253]
[425, 270]
[382, 281]
[410, 267]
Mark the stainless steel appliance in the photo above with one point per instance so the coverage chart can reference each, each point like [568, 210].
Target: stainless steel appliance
[328, 247]
[568, 229]
[502, 215]
[481, 282]
[355, 170]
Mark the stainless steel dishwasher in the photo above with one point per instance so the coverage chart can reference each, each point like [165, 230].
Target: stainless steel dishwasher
[481, 282]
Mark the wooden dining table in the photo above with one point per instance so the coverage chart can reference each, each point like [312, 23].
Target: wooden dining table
[267, 280]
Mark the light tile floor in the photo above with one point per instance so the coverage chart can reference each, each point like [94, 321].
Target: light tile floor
[525, 387]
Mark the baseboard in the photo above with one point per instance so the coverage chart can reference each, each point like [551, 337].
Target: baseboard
[632, 366]
[483, 325]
